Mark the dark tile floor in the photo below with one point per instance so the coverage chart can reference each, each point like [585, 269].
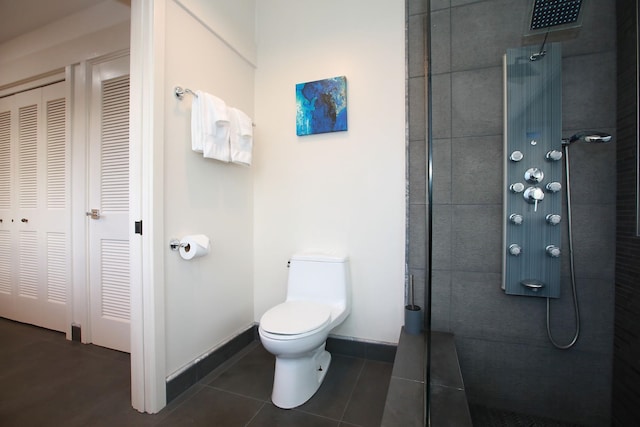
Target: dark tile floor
[488, 417]
[46, 380]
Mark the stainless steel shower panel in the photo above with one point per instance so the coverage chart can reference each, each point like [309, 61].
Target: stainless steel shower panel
[532, 172]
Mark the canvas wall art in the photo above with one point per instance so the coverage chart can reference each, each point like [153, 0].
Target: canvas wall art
[321, 106]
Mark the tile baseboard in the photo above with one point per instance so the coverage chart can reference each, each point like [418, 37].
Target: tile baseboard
[194, 373]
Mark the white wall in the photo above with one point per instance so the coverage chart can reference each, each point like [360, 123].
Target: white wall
[342, 191]
[232, 21]
[209, 299]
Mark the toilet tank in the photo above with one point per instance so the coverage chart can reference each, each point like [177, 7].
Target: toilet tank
[319, 277]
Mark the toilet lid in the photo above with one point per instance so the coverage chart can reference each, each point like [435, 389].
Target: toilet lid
[295, 317]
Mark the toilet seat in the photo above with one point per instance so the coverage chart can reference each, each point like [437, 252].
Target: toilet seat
[295, 318]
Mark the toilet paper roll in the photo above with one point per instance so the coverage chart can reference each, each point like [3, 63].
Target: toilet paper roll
[194, 246]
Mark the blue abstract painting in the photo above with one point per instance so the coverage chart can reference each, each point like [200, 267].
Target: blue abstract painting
[321, 106]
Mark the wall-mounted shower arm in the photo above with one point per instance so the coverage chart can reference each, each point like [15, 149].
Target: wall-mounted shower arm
[541, 52]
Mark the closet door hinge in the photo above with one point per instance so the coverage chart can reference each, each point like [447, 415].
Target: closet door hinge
[138, 227]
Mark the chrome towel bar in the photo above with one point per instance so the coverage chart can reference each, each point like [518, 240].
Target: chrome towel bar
[179, 92]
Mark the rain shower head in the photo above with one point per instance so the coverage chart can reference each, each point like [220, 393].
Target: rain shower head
[556, 19]
[588, 136]
[550, 13]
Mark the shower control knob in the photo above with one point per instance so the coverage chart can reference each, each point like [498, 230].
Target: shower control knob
[515, 249]
[553, 251]
[553, 219]
[533, 195]
[516, 219]
[516, 156]
[554, 187]
[553, 155]
[534, 175]
[517, 187]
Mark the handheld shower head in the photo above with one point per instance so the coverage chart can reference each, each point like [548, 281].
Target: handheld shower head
[587, 136]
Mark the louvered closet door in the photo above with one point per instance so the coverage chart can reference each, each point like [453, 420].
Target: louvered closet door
[109, 193]
[34, 208]
[7, 254]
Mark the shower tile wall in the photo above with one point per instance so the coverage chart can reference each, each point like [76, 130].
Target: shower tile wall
[416, 221]
[506, 359]
[626, 375]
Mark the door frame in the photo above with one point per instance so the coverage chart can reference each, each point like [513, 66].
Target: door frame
[146, 166]
[146, 152]
[146, 347]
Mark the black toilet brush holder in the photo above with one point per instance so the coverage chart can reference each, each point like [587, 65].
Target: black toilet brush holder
[412, 313]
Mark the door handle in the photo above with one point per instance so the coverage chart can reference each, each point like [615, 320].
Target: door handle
[94, 214]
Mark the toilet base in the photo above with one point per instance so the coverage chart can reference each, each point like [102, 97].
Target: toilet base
[297, 379]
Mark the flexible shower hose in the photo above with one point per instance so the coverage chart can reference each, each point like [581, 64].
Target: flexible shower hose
[571, 266]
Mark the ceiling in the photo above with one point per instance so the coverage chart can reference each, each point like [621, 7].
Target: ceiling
[21, 16]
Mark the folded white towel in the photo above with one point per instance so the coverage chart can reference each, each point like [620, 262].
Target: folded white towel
[197, 132]
[216, 128]
[241, 137]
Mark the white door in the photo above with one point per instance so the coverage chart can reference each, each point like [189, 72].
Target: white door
[109, 284]
[34, 207]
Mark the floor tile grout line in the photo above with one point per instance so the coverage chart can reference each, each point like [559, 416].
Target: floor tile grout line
[450, 387]
[228, 363]
[170, 410]
[256, 414]
[234, 393]
[267, 402]
[353, 389]
[315, 415]
[407, 379]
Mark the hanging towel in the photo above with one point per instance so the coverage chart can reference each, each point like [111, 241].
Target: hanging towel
[197, 132]
[216, 128]
[241, 137]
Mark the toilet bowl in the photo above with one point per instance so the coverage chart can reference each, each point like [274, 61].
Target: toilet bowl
[295, 331]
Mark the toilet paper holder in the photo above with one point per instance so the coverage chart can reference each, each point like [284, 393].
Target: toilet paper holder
[175, 245]
[192, 246]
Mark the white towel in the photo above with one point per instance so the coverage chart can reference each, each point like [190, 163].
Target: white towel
[197, 132]
[241, 137]
[216, 128]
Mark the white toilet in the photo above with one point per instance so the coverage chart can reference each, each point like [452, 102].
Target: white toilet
[318, 300]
